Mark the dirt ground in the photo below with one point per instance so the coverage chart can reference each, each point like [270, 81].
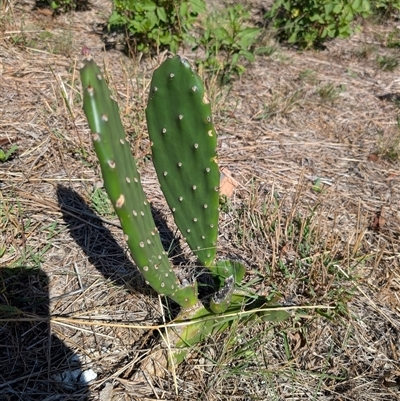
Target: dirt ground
[313, 140]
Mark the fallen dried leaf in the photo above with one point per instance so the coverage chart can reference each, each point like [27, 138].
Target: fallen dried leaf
[378, 221]
[373, 158]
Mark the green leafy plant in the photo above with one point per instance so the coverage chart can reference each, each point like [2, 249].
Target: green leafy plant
[309, 23]
[386, 8]
[183, 141]
[64, 5]
[152, 24]
[227, 40]
[6, 155]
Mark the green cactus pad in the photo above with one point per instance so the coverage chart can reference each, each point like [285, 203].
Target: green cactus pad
[204, 326]
[184, 142]
[205, 323]
[227, 268]
[123, 186]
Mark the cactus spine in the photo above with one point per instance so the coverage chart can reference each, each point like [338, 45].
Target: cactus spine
[184, 144]
[123, 186]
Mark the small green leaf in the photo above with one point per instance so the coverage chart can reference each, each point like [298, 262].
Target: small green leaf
[249, 33]
[174, 45]
[247, 55]
[356, 4]
[149, 6]
[292, 38]
[4, 156]
[197, 6]
[338, 8]
[184, 9]
[161, 14]
[221, 33]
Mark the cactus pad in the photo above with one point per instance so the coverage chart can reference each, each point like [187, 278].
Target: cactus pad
[123, 186]
[184, 142]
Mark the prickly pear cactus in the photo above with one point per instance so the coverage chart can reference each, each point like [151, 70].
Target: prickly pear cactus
[184, 142]
[122, 183]
[184, 153]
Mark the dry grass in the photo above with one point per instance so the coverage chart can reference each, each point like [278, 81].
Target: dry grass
[313, 139]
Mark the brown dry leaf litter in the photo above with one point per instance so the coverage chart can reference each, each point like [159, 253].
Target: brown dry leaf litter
[299, 131]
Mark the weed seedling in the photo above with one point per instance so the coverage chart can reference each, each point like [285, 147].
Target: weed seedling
[387, 63]
[101, 203]
[330, 92]
[7, 155]
[228, 39]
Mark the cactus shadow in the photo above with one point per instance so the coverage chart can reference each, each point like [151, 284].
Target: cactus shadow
[99, 244]
[94, 238]
[36, 364]
[169, 240]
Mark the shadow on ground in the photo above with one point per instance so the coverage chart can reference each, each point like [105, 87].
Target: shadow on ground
[35, 365]
[99, 244]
